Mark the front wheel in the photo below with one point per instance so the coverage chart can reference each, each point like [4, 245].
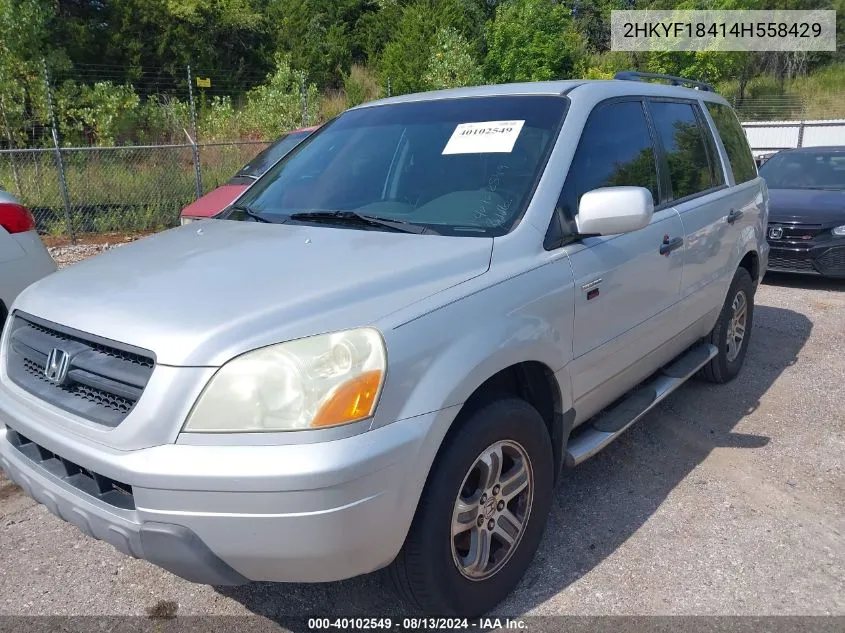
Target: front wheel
[482, 513]
[732, 331]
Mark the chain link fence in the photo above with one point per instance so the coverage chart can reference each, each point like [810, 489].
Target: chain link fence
[117, 189]
[791, 107]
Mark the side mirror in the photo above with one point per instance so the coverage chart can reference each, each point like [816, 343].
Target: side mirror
[614, 210]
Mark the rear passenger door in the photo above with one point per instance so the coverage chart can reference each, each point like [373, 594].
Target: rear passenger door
[699, 192]
[626, 290]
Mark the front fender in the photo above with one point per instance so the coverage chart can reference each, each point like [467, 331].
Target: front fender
[438, 360]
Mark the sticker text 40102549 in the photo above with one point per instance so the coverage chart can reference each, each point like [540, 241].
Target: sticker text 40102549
[484, 137]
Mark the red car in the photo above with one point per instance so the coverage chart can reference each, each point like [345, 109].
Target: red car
[218, 199]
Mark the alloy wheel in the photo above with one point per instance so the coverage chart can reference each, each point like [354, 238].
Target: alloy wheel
[736, 327]
[492, 509]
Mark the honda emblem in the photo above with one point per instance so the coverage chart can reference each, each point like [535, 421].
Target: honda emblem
[58, 362]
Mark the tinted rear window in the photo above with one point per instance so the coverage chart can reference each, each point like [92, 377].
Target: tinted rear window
[684, 146]
[735, 142]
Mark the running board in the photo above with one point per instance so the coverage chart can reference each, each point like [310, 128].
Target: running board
[611, 423]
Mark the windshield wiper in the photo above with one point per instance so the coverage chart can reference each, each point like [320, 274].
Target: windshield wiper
[259, 217]
[353, 217]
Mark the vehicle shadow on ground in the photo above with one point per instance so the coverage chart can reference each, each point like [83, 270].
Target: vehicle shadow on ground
[598, 505]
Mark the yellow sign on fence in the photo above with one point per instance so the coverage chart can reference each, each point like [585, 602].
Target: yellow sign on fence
[204, 83]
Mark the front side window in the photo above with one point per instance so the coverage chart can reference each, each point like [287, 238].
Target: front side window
[735, 142]
[456, 166]
[615, 150]
[684, 147]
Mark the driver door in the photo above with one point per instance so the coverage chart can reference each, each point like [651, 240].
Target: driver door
[627, 286]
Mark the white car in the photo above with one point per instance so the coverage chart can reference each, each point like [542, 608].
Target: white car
[23, 258]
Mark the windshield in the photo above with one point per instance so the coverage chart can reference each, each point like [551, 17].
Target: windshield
[805, 170]
[459, 166]
[259, 165]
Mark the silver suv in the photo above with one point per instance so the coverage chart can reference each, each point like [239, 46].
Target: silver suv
[390, 346]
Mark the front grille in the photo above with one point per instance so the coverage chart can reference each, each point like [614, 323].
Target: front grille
[800, 264]
[833, 260]
[114, 493]
[794, 232]
[102, 382]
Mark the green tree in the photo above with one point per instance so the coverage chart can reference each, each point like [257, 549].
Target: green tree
[324, 37]
[104, 114]
[150, 42]
[24, 41]
[451, 63]
[405, 59]
[277, 106]
[532, 40]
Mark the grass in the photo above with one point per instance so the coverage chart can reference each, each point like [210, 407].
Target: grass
[817, 96]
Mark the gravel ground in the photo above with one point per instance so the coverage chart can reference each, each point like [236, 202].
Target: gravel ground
[70, 254]
[726, 500]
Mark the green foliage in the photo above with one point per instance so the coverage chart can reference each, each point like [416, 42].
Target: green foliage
[217, 120]
[277, 106]
[119, 66]
[451, 63]
[532, 40]
[360, 85]
[24, 41]
[232, 37]
[104, 113]
[405, 58]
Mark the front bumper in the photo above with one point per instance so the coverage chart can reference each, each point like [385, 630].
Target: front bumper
[824, 260]
[229, 514]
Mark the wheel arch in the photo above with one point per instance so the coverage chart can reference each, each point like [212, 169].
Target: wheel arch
[535, 383]
[751, 262]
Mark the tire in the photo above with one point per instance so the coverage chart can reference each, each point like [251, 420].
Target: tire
[429, 572]
[726, 364]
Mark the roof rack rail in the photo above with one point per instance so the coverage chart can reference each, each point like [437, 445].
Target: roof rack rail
[631, 75]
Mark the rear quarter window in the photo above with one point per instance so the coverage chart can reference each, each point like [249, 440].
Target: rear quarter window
[735, 142]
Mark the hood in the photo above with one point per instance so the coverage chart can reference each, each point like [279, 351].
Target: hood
[806, 206]
[213, 202]
[199, 296]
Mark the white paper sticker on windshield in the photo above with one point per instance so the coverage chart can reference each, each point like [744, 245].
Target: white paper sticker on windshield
[484, 137]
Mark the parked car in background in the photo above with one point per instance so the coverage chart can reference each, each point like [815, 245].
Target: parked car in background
[218, 199]
[806, 227]
[386, 351]
[23, 258]
[762, 158]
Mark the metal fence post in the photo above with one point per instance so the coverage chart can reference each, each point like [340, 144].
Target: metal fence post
[60, 165]
[801, 134]
[195, 140]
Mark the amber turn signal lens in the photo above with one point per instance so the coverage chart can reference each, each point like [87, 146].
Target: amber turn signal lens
[352, 401]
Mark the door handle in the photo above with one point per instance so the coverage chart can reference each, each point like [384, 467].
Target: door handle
[670, 245]
[734, 215]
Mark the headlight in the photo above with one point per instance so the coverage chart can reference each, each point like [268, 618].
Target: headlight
[839, 230]
[185, 220]
[310, 383]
